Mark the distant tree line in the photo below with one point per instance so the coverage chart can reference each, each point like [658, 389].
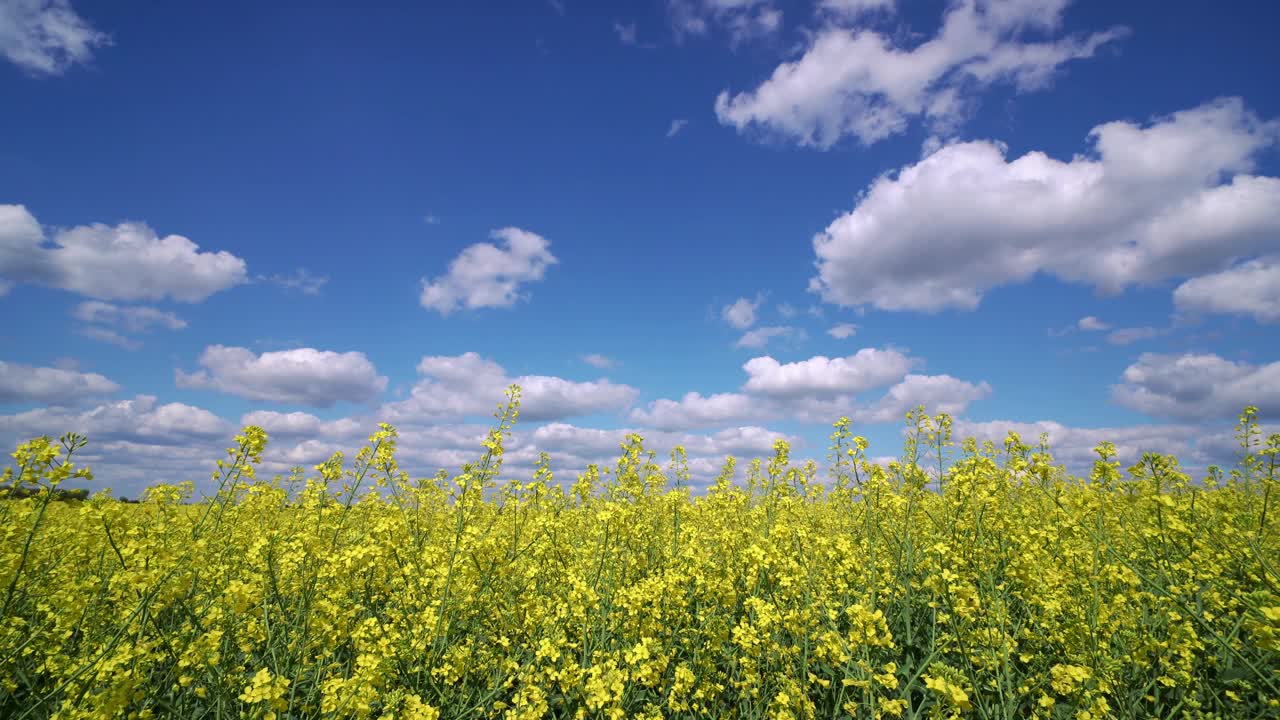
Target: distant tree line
[18, 493]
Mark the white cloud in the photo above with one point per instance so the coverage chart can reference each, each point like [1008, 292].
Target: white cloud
[572, 448]
[1251, 288]
[597, 360]
[676, 126]
[694, 410]
[53, 386]
[125, 262]
[111, 337]
[301, 280]
[818, 390]
[938, 393]
[46, 36]
[486, 276]
[866, 369]
[741, 314]
[626, 32]
[305, 376]
[139, 420]
[760, 337]
[942, 232]
[843, 331]
[294, 424]
[743, 20]
[1198, 386]
[602, 444]
[468, 385]
[859, 83]
[853, 9]
[1073, 446]
[1128, 336]
[1092, 324]
[132, 319]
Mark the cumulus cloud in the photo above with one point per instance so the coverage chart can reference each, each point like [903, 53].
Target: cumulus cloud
[1151, 205]
[866, 369]
[1198, 386]
[1073, 446]
[694, 410]
[743, 20]
[468, 385]
[589, 442]
[137, 443]
[858, 83]
[938, 393]
[760, 337]
[676, 126]
[741, 313]
[140, 420]
[46, 37]
[818, 390]
[843, 331]
[579, 446]
[305, 376]
[295, 424]
[51, 386]
[125, 262]
[485, 275]
[1250, 288]
[1092, 324]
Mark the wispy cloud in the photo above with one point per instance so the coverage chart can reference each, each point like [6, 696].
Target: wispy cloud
[742, 20]
[301, 280]
[598, 360]
[131, 319]
[760, 337]
[46, 37]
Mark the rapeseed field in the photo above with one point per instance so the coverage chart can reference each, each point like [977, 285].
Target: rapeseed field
[963, 581]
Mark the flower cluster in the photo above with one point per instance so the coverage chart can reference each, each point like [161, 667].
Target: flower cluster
[972, 584]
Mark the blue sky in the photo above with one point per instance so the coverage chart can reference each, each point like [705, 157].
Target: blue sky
[712, 222]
